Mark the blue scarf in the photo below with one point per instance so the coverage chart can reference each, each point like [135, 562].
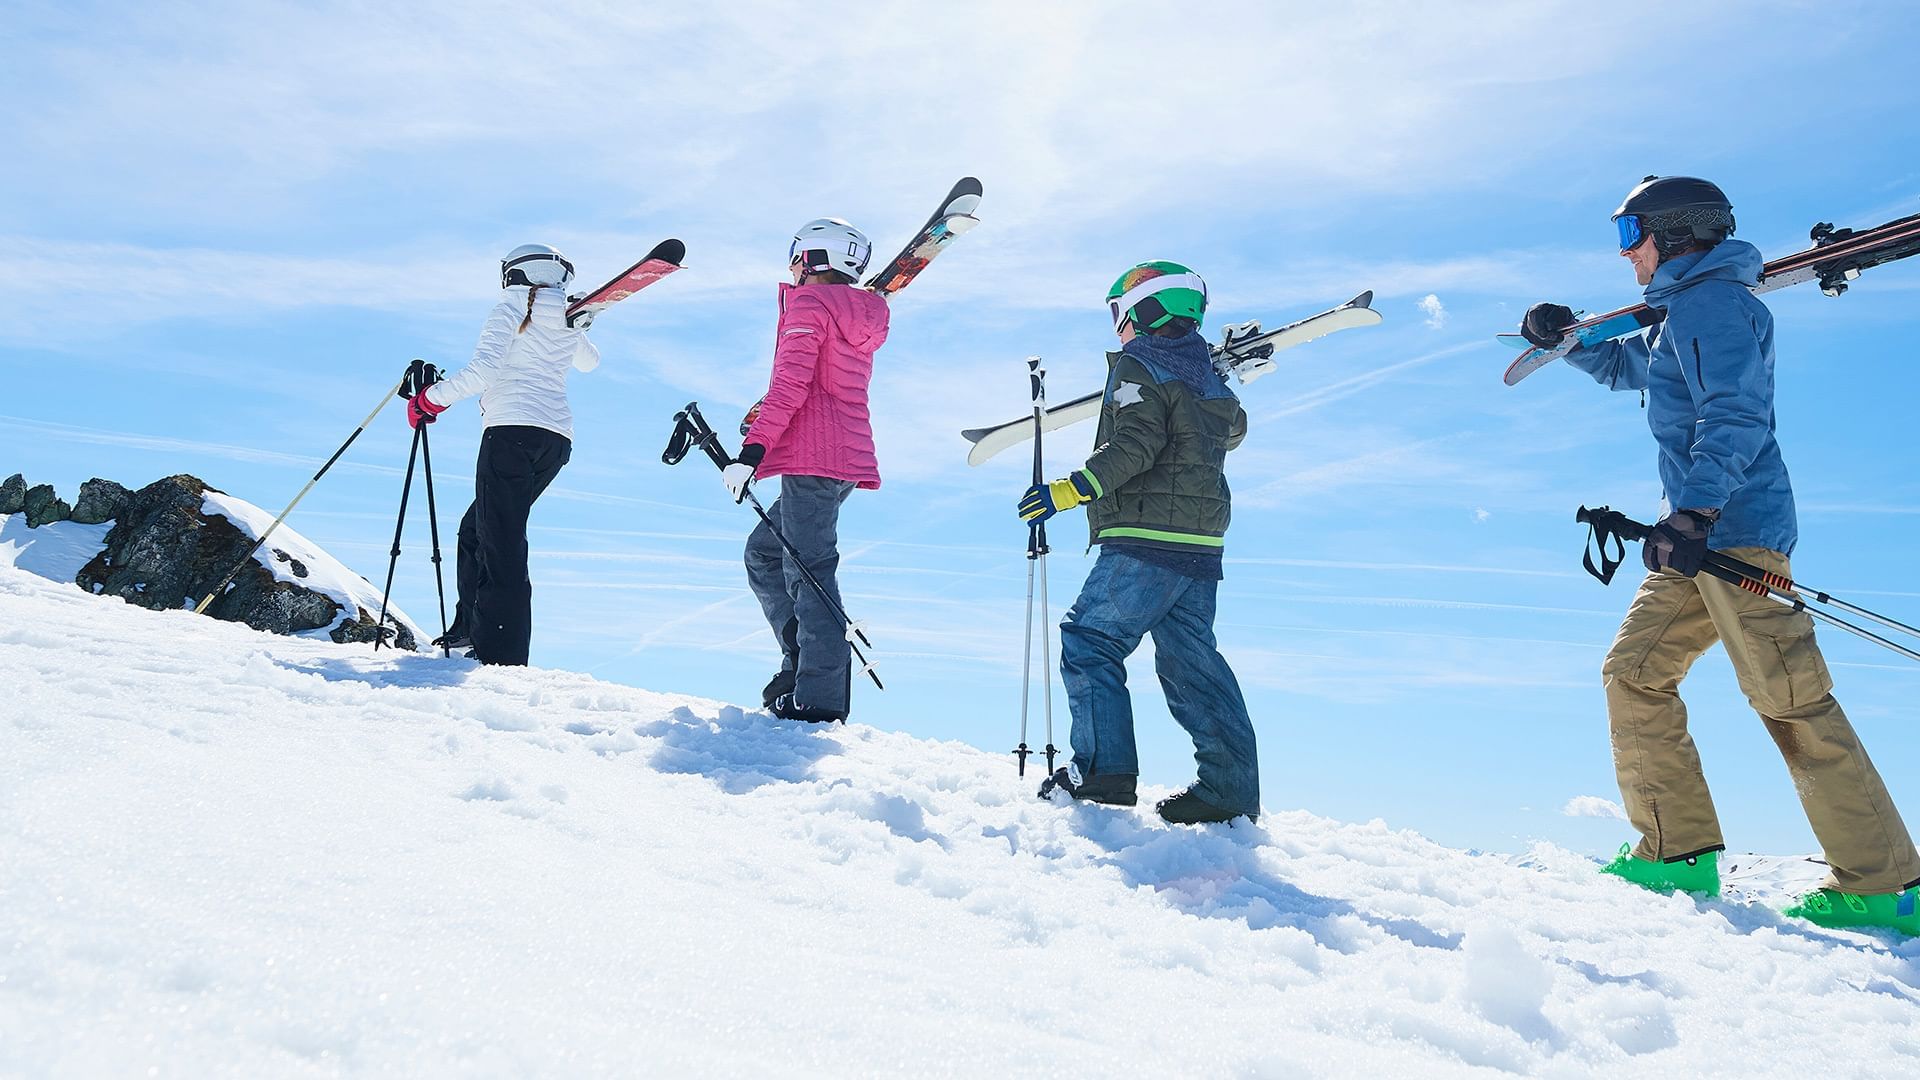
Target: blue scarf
[1188, 358]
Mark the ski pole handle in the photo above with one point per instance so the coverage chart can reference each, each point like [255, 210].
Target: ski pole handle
[690, 429]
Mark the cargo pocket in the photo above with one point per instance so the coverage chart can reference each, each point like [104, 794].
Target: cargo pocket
[1792, 674]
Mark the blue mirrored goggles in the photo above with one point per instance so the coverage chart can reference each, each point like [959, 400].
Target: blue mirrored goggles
[1630, 231]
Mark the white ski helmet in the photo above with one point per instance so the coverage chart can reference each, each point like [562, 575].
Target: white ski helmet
[535, 264]
[830, 244]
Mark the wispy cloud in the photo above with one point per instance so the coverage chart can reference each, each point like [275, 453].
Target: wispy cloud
[1434, 310]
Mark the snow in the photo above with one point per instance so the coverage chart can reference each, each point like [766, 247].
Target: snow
[234, 854]
[56, 550]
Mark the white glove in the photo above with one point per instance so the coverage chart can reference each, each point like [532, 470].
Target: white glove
[737, 476]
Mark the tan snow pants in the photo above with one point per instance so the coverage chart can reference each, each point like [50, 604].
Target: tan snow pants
[1672, 622]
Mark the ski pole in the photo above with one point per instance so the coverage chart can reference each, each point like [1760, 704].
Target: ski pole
[433, 524]
[406, 488]
[1607, 524]
[1037, 557]
[690, 429]
[201, 607]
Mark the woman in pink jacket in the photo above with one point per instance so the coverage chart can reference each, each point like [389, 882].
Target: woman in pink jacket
[812, 430]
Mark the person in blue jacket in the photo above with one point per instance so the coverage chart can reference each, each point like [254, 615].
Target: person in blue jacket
[1707, 374]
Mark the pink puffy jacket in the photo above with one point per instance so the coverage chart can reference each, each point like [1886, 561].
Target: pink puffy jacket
[814, 419]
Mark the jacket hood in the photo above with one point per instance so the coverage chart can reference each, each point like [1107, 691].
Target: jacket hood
[860, 315]
[1188, 358]
[1729, 260]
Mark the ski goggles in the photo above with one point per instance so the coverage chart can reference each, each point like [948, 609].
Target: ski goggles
[1631, 231]
[507, 265]
[1123, 304]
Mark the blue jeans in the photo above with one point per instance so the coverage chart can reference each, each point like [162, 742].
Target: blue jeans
[813, 641]
[1123, 600]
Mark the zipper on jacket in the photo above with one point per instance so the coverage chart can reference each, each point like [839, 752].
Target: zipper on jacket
[1698, 375]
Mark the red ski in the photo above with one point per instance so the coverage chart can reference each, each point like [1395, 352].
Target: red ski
[664, 259]
[954, 217]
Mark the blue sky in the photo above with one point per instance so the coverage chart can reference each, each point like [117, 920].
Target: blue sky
[231, 225]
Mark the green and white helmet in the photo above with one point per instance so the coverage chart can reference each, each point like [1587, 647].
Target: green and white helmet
[1153, 294]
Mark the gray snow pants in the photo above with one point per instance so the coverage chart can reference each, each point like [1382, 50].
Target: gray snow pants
[813, 643]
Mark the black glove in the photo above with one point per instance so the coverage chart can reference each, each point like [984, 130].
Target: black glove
[1679, 542]
[1546, 324]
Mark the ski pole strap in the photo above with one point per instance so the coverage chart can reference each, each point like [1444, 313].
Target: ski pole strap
[1607, 526]
[690, 429]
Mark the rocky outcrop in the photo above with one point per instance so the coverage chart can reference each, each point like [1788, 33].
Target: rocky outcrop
[13, 494]
[164, 552]
[100, 501]
[43, 507]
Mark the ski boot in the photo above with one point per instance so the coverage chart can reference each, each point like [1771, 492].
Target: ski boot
[1187, 808]
[1108, 789]
[1698, 874]
[781, 683]
[1838, 910]
[786, 708]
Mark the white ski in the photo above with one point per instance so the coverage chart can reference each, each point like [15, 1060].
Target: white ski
[1245, 353]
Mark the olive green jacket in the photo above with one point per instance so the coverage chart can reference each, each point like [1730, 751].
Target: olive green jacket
[1158, 460]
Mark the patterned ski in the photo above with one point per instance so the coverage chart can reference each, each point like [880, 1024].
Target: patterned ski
[664, 259]
[1837, 257]
[954, 216]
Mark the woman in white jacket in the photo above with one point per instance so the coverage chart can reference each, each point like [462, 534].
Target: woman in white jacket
[520, 372]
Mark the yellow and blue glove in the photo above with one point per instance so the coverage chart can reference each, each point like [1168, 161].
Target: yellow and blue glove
[1042, 501]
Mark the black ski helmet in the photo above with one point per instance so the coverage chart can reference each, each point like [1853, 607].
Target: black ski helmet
[1677, 211]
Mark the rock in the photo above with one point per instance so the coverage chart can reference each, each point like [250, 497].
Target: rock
[361, 629]
[43, 507]
[100, 501]
[298, 568]
[13, 494]
[165, 553]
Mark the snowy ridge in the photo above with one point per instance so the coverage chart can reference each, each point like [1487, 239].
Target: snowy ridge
[236, 854]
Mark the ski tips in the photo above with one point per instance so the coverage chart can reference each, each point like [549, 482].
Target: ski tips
[1364, 300]
[672, 251]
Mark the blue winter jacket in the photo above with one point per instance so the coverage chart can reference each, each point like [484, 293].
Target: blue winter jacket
[1708, 374]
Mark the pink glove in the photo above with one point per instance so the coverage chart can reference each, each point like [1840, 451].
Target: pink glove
[422, 411]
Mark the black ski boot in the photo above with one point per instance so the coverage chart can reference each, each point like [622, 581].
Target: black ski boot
[453, 641]
[1186, 808]
[781, 683]
[1108, 789]
[786, 708]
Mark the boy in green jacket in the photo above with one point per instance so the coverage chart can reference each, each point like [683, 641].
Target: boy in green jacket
[1158, 506]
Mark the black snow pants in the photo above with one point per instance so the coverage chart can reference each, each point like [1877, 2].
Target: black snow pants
[496, 596]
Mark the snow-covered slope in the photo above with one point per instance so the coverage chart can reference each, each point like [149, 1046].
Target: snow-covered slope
[56, 550]
[224, 853]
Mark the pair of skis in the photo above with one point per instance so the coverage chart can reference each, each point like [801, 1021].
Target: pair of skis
[954, 216]
[1245, 352]
[1837, 257]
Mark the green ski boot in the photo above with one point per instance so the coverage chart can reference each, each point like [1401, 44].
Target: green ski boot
[1838, 910]
[1698, 874]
